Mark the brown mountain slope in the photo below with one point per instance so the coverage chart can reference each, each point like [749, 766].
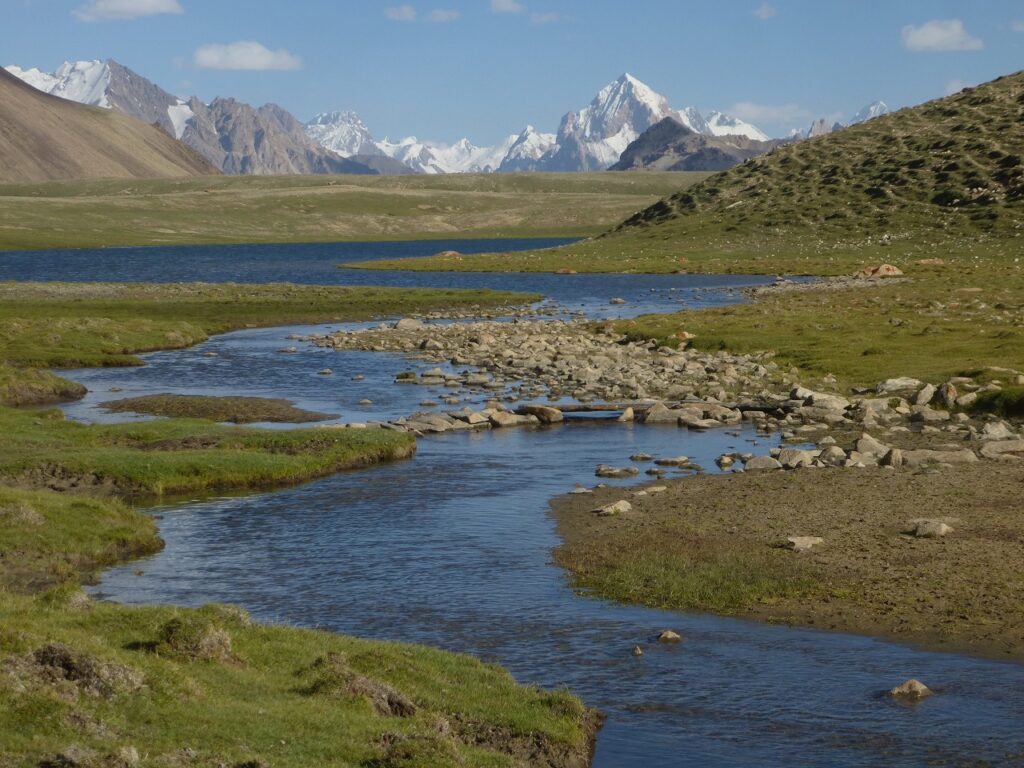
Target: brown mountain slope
[44, 138]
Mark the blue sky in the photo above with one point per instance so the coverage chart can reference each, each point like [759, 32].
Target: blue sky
[441, 69]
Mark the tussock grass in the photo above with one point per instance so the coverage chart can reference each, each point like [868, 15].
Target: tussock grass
[255, 703]
[1007, 403]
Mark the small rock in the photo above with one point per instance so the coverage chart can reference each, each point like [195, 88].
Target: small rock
[619, 507]
[325, 372]
[364, 401]
[931, 529]
[617, 300]
[804, 543]
[288, 350]
[638, 651]
[627, 415]
[408, 324]
[641, 457]
[603, 470]
[761, 463]
[668, 636]
[912, 690]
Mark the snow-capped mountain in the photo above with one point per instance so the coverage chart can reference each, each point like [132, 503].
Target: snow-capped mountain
[527, 150]
[433, 158]
[344, 133]
[870, 112]
[591, 139]
[594, 138]
[821, 126]
[720, 124]
[233, 136]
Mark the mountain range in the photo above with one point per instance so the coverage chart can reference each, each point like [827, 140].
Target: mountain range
[235, 137]
[45, 138]
[238, 138]
[590, 139]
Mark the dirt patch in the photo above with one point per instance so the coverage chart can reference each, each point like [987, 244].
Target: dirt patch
[960, 592]
[237, 410]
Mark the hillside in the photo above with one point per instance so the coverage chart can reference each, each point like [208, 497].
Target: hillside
[45, 138]
[946, 173]
[671, 146]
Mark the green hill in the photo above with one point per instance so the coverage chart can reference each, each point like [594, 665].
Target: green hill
[941, 179]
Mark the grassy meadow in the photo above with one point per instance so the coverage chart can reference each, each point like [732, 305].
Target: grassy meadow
[298, 209]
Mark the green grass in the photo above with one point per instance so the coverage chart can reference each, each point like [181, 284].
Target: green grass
[677, 568]
[73, 325]
[47, 537]
[1007, 403]
[177, 456]
[264, 701]
[948, 321]
[237, 410]
[85, 214]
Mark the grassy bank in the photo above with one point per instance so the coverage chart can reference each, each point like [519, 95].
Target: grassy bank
[250, 209]
[237, 410]
[177, 456]
[716, 543]
[106, 324]
[106, 685]
[946, 321]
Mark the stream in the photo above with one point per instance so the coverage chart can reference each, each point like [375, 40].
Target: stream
[452, 548]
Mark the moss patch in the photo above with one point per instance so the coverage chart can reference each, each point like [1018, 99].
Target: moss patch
[238, 410]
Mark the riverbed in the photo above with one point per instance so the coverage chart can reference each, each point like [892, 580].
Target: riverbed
[453, 549]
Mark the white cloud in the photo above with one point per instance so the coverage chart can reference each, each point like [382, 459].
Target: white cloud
[99, 10]
[442, 15]
[401, 13]
[766, 11]
[955, 86]
[940, 35]
[507, 6]
[769, 113]
[245, 54]
[546, 18]
[1017, 26]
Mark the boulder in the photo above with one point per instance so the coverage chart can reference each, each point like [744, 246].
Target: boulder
[627, 415]
[870, 446]
[894, 458]
[793, 458]
[674, 461]
[619, 507]
[604, 470]
[997, 448]
[668, 636]
[931, 529]
[922, 457]
[545, 414]
[901, 384]
[761, 463]
[925, 395]
[912, 690]
[997, 430]
[408, 324]
[882, 270]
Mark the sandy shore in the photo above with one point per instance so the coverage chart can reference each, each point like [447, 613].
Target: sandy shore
[962, 592]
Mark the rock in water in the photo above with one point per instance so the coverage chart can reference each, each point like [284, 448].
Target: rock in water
[638, 651]
[668, 636]
[912, 690]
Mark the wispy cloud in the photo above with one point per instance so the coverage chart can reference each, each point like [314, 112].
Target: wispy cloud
[507, 6]
[103, 10]
[770, 113]
[443, 15]
[245, 54]
[401, 13]
[766, 11]
[940, 35]
[957, 85]
[1017, 26]
[549, 17]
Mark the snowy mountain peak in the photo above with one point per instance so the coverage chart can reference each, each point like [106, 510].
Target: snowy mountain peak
[83, 81]
[720, 124]
[342, 132]
[870, 112]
